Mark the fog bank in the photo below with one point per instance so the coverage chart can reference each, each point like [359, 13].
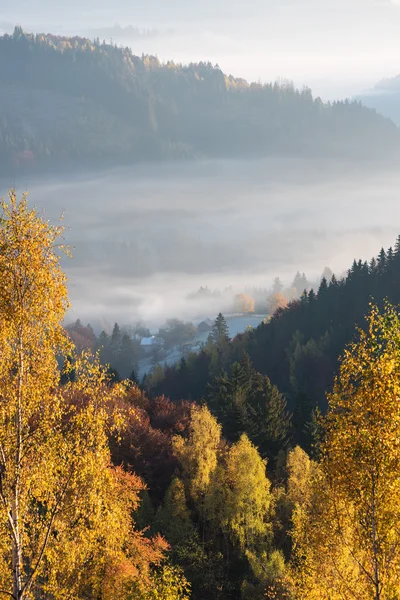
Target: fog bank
[145, 238]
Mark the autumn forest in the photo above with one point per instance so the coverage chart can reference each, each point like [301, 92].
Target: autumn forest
[206, 481]
[199, 300]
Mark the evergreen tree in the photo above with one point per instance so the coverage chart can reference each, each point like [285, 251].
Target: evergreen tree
[133, 377]
[126, 361]
[248, 402]
[220, 331]
[115, 341]
[104, 348]
[277, 286]
[381, 261]
[323, 286]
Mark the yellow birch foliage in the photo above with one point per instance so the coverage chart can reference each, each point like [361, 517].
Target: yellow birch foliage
[348, 542]
[240, 501]
[169, 584]
[300, 469]
[65, 513]
[199, 453]
[247, 497]
[33, 301]
[323, 567]
[244, 303]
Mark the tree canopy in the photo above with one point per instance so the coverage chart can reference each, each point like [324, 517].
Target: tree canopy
[66, 523]
[69, 101]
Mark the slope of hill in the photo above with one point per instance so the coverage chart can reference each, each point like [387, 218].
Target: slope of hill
[385, 98]
[299, 348]
[71, 99]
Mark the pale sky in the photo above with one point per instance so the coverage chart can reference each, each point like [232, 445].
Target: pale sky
[336, 47]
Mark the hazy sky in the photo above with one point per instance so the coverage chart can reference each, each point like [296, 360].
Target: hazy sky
[337, 47]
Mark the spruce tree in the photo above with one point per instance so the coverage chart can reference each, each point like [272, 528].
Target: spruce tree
[220, 331]
[116, 337]
[277, 286]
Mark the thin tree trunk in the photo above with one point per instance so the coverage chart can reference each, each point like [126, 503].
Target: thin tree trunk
[375, 548]
[15, 512]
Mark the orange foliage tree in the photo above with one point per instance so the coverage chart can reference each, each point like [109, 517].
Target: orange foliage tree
[66, 525]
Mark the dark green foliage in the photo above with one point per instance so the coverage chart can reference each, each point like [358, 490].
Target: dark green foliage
[177, 333]
[119, 350]
[72, 101]
[247, 402]
[220, 331]
[133, 377]
[297, 349]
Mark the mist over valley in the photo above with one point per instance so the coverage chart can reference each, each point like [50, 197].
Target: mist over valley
[145, 238]
[200, 300]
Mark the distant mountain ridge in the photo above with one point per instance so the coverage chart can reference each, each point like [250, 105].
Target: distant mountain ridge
[384, 98]
[70, 100]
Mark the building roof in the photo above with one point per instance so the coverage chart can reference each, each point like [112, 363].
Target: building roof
[204, 326]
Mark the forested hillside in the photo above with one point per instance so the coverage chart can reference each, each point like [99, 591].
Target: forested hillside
[111, 494]
[298, 348]
[385, 98]
[75, 101]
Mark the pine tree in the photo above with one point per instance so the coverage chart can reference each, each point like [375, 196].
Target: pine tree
[381, 261]
[104, 348]
[333, 281]
[397, 247]
[221, 403]
[220, 331]
[115, 342]
[127, 360]
[298, 283]
[277, 286]
[323, 286]
[247, 402]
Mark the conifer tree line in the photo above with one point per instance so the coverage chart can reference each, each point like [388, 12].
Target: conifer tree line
[71, 101]
[298, 348]
[110, 492]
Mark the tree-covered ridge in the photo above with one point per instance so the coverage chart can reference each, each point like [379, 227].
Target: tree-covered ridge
[69, 99]
[298, 347]
[384, 97]
[107, 493]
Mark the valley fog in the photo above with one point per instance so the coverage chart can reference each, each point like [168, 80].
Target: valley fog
[144, 238]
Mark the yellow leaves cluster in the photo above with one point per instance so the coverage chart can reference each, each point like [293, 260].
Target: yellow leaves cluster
[66, 528]
[199, 453]
[229, 488]
[247, 495]
[346, 536]
[169, 584]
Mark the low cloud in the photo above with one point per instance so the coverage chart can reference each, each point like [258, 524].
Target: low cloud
[145, 238]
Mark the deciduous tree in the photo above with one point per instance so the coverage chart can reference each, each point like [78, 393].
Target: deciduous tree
[65, 512]
[356, 526]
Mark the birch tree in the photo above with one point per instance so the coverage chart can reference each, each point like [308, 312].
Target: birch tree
[348, 540]
[65, 513]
